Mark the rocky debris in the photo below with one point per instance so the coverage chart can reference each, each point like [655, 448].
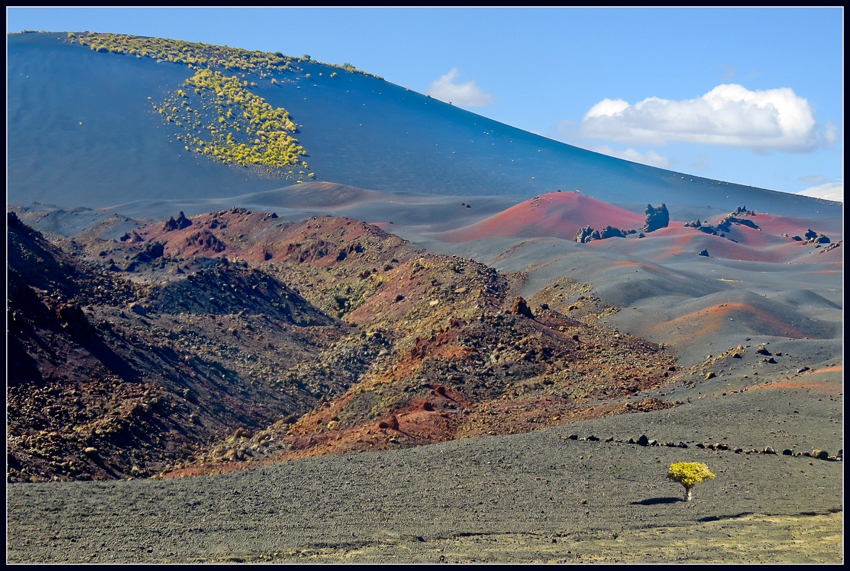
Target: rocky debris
[588, 234]
[206, 241]
[150, 252]
[520, 307]
[716, 447]
[585, 235]
[831, 246]
[703, 252]
[725, 224]
[308, 352]
[656, 218]
[138, 309]
[390, 423]
[73, 319]
[179, 224]
[132, 238]
[813, 238]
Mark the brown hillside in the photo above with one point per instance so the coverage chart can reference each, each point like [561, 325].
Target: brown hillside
[243, 338]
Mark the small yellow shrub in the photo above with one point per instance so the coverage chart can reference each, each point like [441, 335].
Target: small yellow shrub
[689, 474]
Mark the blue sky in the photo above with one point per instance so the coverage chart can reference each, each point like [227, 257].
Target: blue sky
[752, 96]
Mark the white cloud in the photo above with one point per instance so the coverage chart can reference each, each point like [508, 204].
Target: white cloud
[650, 158]
[464, 94]
[829, 191]
[830, 134]
[728, 115]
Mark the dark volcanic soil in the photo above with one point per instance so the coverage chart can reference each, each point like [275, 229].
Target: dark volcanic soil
[513, 493]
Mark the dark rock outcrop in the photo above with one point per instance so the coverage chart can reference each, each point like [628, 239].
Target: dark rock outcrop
[179, 224]
[656, 218]
[588, 234]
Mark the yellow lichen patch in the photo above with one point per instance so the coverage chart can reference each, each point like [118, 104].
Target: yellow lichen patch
[219, 116]
[226, 122]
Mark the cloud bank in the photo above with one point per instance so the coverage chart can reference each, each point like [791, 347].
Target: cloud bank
[464, 94]
[829, 191]
[729, 115]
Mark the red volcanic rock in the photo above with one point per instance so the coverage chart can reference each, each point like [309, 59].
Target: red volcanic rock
[390, 423]
[205, 241]
[557, 214]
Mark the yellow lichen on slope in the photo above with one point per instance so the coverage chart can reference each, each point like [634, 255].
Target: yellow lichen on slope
[218, 115]
[223, 120]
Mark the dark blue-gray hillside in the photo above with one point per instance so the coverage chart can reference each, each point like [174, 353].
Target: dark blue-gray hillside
[82, 132]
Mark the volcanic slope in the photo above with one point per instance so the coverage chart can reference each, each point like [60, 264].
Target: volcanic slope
[699, 287]
[110, 377]
[388, 347]
[97, 120]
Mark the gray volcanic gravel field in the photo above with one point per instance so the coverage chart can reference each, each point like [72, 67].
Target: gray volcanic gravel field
[537, 483]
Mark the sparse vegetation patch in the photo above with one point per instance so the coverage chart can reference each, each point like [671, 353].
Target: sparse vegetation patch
[218, 116]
